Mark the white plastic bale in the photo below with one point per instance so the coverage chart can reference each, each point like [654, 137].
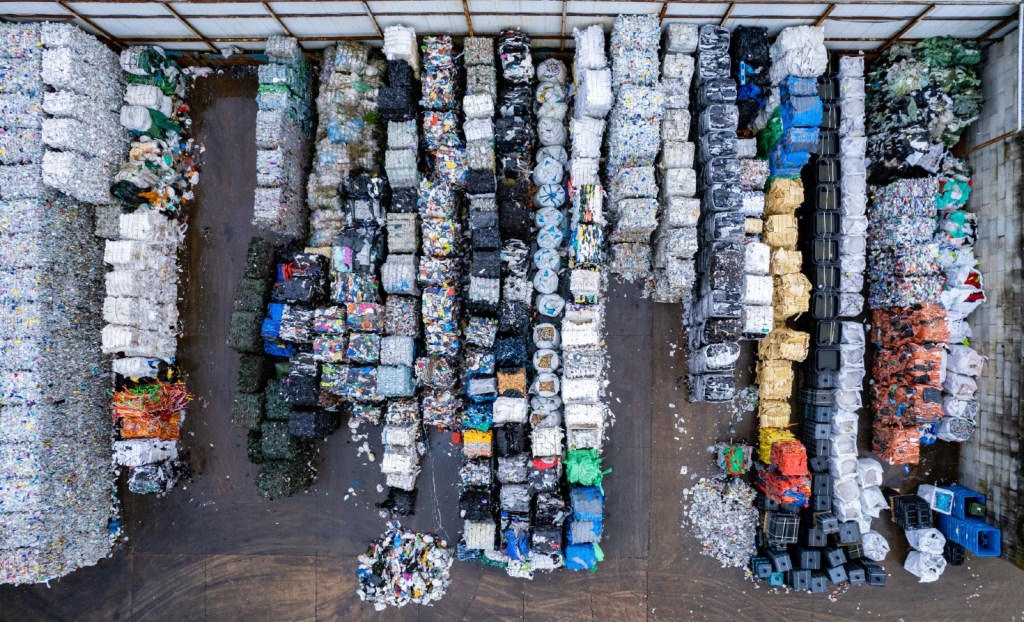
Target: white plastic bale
[844, 445]
[139, 452]
[869, 472]
[400, 436]
[926, 567]
[675, 125]
[681, 38]
[479, 129]
[403, 463]
[478, 106]
[677, 66]
[581, 390]
[680, 182]
[845, 422]
[756, 258]
[400, 44]
[136, 367]
[847, 510]
[851, 67]
[584, 171]
[959, 386]
[510, 410]
[965, 360]
[546, 442]
[590, 52]
[844, 468]
[587, 135]
[758, 320]
[404, 481]
[876, 547]
[479, 535]
[680, 212]
[594, 93]
[929, 540]
[872, 501]
[677, 154]
[757, 290]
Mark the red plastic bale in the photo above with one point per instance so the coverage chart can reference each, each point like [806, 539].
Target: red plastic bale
[790, 458]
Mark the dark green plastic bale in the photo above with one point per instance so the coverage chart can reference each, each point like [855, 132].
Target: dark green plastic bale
[278, 444]
[259, 259]
[277, 409]
[770, 135]
[252, 294]
[244, 332]
[283, 478]
[254, 446]
[252, 373]
[247, 410]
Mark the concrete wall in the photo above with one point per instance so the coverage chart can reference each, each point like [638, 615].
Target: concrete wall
[991, 461]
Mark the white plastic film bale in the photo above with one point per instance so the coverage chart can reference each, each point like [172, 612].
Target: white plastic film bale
[479, 106]
[757, 320]
[546, 442]
[847, 510]
[581, 390]
[756, 258]
[964, 360]
[876, 547]
[148, 96]
[846, 489]
[594, 93]
[872, 501]
[590, 48]
[851, 67]
[136, 367]
[926, 567]
[479, 535]
[139, 452]
[136, 118]
[869, 472]
[681, 38]
[677, 66]
[843, 468]
[844, 445]
[845, 422]
[959, 386]
[510, 410]
[587, 136]
[677, 154]
[959, 408]
[757, 290]
[928, 540]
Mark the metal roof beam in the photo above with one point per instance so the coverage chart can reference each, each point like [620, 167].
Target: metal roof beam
[910, 25]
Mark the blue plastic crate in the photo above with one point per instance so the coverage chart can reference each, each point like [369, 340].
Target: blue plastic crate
[975, 535]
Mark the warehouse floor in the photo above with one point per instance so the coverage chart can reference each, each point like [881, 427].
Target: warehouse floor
[213, 550]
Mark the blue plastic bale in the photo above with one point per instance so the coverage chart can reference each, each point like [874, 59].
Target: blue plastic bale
[587, 502]
[280, 349]
[796, 139]
[793, 86]
[801, 112]
[582, 556]
[478, 416]
[787, 164]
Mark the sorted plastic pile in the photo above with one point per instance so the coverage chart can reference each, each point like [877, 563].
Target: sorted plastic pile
[57, 503]
[404, 567]
[403, 274]
[633, 142]
[283, 126]
[153, 189]
[923, 96]
[276, 394]
[675, 242]
[347, 138]
[719, 318]
[722, 516]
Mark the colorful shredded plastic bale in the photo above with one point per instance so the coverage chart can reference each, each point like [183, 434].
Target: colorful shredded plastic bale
[404, 567]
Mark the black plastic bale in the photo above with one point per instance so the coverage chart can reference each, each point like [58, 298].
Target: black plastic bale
[486, 264]
[480, 181]
[252, 294]
[278, 444]
[487, 238]
[259, 259]
[551, 510]
[298, 290]
[510, 351]
[396, 103]
[254, 445]
[277, 409]
[247, 410]
[510, 439]
[475, 504]
[252, 373]
[399, 502]
[547, 540]
[403, 200]
[400, 73]
[283, 478]
[300, 390]
[750, 45]
[312, 423]
[544, 480]
[244, 332]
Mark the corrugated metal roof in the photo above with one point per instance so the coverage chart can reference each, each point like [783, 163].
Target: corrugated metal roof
[199, 25]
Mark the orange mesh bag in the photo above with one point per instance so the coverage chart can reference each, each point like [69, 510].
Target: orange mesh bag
[790, 457]
[924, 364]
[930, 324]
[896, 444]
[766, 437]
[151, 410]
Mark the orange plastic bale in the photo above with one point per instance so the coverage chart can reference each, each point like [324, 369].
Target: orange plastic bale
[790, 457]
[896, 444]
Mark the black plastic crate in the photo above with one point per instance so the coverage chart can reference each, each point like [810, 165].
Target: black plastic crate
[808, 558]
[816, 431]
[821, 503]
[854, 551]
[836, 574]
[816, 537]
[827, 333]
[827, 197]
[828, 88]
[817, 397]
[826, 277]
[819, 583]
[828, 170]
[818, 414]
[824, 250]
[828, 143]
[849, 532]
[875, 574]
[818, 464]
[780, 560]
[954, 553]
[799, 579]
[821, 484]
[911, 512]
[818, 448]
[825, 222]
[782, 528]
[824, 305]
[825, 359]
[821, 379]
[855, 573]
[761, 567]
[835, 556]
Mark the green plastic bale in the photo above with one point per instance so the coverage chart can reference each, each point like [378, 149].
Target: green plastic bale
[247, 410]
[252, 294]
[276, 408]
[244, 332]
[769, 135]
[252, 373]
[283, 478]
[278, 444]
[259, 259]
[254, 446]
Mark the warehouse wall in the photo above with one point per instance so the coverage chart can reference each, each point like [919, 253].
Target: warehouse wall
[991, 461]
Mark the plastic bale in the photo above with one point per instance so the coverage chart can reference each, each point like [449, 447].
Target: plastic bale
[283, 478]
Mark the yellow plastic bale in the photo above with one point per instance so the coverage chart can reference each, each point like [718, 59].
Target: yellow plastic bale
[773, 414]
[775, 380]
[780, 231]
[792, 295]
[753, 226]
[784, 344]
[786, 261]
[768, 437]
[784, 196]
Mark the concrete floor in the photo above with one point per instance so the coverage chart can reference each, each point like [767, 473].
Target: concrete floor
[212, 550]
